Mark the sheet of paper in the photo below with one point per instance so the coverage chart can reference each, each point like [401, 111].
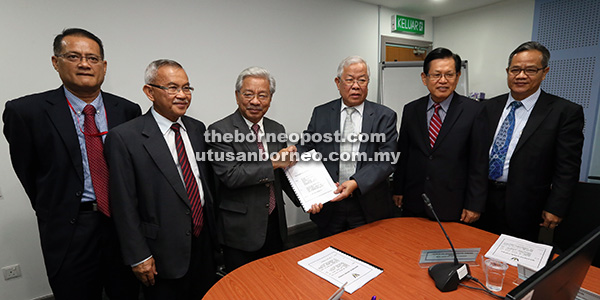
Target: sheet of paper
[311, 182]
[515, 251]
[340, 268]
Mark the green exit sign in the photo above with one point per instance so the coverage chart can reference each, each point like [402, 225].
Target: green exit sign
[408, 25]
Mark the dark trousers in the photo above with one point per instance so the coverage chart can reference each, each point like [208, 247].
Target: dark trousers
[346, 214]
[494, 219]
[235, 258]
[93, 263]
[199, 278]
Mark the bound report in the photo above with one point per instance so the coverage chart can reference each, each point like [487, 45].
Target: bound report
[311, 182]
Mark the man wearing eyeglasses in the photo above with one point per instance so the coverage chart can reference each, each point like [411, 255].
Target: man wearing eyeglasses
[363, 192]
[56, 147]
[535, 141]
[251, 211]
[161, 194]
[440, 149]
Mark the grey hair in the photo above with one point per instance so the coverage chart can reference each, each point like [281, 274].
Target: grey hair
[350, 60]
[531, 45]
[255, 72]
[152, 69]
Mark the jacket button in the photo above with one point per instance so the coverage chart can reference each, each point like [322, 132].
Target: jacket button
[188, 232]
[78, 193]
[72, 221]
[267, 205]
[268, 184]
[187, 212]
[430, 157]
[426, 177]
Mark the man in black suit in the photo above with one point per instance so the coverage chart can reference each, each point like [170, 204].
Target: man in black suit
[252, 219]
[364, 194]
[440, 152]
[161, 194]
[55, 142]
[535, 141]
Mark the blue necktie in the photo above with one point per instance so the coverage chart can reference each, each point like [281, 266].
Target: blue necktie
[500, 147]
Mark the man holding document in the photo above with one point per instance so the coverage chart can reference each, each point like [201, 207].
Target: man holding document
[360, 154]
[251, 211]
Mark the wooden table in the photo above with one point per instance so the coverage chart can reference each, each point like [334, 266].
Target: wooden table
[392, 244]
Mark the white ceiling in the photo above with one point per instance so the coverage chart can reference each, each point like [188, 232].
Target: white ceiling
[431, 8]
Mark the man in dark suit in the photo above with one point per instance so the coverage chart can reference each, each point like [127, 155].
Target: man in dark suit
[161, 194]
[535, 141]
[364, 194]
[251, 211]
[440, 152]
[55, 142]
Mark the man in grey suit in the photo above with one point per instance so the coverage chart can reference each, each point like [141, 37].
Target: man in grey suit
[251, 210]
[364, 193]
[161, 195]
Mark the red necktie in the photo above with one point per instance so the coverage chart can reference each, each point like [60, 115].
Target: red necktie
[96, 161]
[434, 125]
[191, 185]
[261, 150]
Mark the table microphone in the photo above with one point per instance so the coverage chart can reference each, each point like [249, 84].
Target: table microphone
[446, 275]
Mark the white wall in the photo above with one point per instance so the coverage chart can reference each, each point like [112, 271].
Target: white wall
[485, 37]
[300, 42]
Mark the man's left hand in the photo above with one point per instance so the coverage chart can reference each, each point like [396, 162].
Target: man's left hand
[550, 220]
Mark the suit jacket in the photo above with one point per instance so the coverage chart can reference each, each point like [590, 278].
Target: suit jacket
[151, 209]
[244, 186]
[452, 173]
[544, 167]
[45, 154]
[373, 190]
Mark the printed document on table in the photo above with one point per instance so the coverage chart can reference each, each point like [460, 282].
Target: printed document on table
[311, 182]
[341, 268]
[515, 251]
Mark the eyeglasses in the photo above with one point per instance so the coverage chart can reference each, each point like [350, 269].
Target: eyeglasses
[360, 81]
[260, 96]
[76, 57]
[529, 71]
[174, 90]
[438, 76]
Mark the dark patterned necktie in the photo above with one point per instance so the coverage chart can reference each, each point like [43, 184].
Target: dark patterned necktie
[261, 150]
[191, 185]
[96, 161]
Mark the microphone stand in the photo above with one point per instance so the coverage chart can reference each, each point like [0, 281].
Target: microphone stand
[446, 275]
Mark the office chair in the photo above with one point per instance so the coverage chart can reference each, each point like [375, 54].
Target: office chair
[581, 219]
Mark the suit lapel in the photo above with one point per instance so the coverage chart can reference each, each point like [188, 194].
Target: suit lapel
[335, 122]
[274, 145]
[159, 151]
[241, 126]
[452, 115]
[367, 123]
[422, 123]
[541, 109]
[495, 113]
[60, 115]
[113, 116]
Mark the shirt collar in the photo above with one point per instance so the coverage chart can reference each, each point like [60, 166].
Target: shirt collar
[528, 103]
[444, 104]
[359, 108]
[78, 104]
[164, 124]
[250, 124]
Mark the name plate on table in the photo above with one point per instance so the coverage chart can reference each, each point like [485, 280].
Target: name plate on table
[465, 255]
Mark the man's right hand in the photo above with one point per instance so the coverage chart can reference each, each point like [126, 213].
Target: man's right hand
[145, 272]
[397, 200]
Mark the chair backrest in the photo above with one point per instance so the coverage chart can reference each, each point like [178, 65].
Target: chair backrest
[583, 217]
